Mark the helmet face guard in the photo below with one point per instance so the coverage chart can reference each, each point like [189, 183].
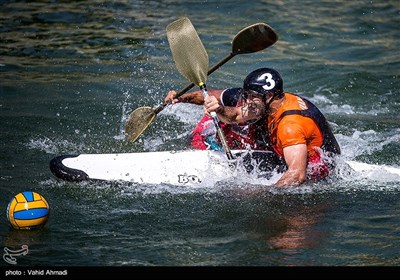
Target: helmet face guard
[246, 93]
[250, 107]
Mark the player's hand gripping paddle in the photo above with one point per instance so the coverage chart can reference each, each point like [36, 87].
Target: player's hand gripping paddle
[191, 59]
[253, 38]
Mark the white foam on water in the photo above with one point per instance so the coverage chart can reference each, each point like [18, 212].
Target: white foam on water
[366, 142]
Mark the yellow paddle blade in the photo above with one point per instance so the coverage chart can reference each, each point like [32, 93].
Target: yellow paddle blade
[188, 51]
[138, 121]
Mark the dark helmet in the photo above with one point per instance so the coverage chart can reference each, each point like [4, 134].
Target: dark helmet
[264, 81]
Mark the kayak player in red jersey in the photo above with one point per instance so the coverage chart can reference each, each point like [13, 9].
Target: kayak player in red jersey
[261, 116]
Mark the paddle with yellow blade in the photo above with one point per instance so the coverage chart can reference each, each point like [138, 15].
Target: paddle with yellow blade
[253, 38]
[191, 59]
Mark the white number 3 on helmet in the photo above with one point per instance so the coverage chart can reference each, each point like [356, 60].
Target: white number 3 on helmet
[269, 82]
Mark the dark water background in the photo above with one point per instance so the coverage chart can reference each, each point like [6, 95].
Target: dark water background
[72, 71]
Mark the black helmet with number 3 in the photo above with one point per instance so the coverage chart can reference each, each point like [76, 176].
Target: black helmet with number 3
[263, 81]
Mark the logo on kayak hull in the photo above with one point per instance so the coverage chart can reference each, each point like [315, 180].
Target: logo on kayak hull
[185, 179]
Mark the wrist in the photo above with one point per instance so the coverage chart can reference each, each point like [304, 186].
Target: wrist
[220, 109]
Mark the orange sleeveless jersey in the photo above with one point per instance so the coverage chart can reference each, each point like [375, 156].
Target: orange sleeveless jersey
[293, 129]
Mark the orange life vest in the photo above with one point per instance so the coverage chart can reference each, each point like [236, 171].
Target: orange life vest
[298, 121]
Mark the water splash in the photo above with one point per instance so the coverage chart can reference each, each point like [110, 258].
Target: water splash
[366, 142]
[50, 146]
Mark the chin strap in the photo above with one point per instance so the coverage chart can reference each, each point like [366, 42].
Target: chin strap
[269, 102]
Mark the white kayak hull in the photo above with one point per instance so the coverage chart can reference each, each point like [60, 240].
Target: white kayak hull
[189, 167]
[181, 168]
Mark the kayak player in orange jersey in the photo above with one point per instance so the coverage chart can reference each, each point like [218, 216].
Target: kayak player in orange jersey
[271, 119]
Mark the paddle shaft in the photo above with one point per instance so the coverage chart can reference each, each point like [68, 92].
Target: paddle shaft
[221, 135]
[159, 108]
